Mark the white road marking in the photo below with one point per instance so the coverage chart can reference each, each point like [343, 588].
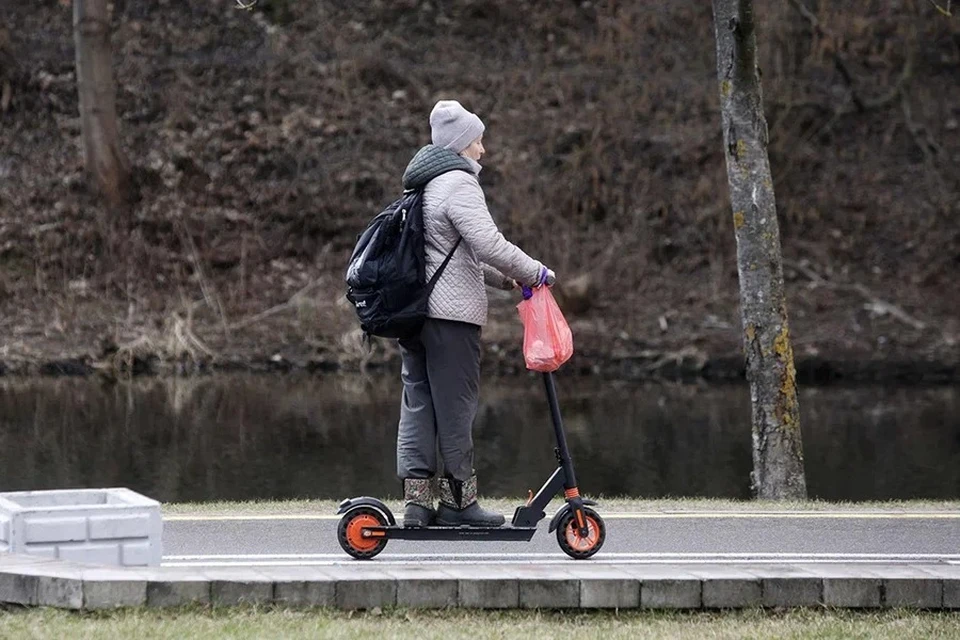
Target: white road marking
[346, 561]
[218, 518]
[652, 554]
[665, 515]
[329, 559]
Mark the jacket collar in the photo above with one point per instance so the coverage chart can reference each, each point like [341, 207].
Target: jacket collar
[474, 165]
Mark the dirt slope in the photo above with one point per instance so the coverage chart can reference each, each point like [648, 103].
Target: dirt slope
[262, 141]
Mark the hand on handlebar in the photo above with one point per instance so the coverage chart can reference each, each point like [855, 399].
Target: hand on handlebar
[547, 277]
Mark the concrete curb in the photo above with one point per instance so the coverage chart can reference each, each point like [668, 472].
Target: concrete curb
[30, 580]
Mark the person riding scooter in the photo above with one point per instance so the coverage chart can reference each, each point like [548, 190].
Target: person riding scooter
[441, 366]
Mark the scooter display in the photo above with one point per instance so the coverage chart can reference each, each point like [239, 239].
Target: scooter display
[367, 523]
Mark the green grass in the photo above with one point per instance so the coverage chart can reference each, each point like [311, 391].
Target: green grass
[608, 505]
[187, 624]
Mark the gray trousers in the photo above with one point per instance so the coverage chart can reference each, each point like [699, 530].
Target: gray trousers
[441, 389]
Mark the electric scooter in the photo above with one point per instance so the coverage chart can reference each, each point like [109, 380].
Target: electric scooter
[367, 524]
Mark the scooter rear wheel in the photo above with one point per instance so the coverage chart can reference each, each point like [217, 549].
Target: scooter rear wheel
[350, 533]
[570, 540]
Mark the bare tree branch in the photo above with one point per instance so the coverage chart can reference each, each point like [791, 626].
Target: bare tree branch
[860, 105]
[905, 75]
[209, 293]
[838, 60]
[946, 11]
[873, 302]
[291, 303]
[928, 146]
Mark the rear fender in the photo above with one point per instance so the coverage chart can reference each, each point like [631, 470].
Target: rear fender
[555, 521]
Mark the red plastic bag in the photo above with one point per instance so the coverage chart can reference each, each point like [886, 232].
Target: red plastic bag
[547, 341]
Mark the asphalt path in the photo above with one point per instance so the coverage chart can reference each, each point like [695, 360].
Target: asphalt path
[699, 537]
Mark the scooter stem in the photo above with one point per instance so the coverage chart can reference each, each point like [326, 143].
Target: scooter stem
[563, 453]
[571, 490]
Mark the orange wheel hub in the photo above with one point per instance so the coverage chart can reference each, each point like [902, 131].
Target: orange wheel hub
[355, 532]
[576, 541]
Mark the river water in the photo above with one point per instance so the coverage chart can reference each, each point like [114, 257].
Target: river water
[274, 436]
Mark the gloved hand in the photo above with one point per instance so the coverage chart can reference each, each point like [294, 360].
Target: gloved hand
[547, 277]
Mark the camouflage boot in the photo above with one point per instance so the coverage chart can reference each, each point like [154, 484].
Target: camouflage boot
[459, 506]
[418, 496]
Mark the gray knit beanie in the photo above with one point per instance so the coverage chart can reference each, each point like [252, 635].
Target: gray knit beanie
[453, 127]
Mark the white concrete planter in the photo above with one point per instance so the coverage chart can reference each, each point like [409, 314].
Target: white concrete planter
[100, 526]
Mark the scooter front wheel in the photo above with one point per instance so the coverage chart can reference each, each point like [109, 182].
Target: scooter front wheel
[350, 533]
[575, 545]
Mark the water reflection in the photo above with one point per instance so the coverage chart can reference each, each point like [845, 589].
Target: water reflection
[247, 437]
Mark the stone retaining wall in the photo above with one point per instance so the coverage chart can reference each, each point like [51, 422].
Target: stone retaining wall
[30, 580]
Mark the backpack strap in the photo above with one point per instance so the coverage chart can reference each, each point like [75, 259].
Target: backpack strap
[443, 265]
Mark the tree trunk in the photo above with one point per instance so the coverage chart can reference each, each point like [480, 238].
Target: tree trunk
[777, 449]
[104, 161]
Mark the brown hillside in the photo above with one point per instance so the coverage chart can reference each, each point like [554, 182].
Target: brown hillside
[264, 140]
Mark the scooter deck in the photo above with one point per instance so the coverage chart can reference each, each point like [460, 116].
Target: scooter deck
[506, 533]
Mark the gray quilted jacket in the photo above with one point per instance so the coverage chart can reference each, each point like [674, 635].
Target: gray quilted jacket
[454, 207]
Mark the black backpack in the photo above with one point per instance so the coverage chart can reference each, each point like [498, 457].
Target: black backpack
[386, 276]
